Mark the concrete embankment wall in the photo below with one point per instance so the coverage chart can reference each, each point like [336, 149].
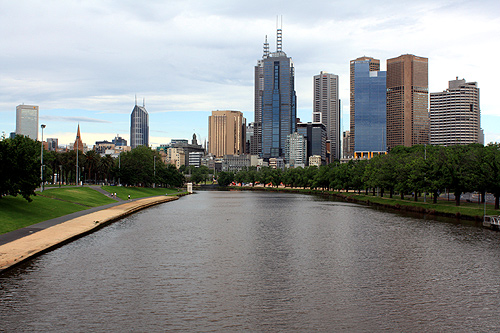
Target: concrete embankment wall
[22, 249]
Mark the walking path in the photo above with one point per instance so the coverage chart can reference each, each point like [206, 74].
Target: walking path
[20, 245]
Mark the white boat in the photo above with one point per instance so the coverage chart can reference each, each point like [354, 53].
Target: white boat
[492, 221]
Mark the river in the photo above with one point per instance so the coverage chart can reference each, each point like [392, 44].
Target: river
[255, 261]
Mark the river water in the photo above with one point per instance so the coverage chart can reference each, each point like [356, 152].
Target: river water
[251, 261]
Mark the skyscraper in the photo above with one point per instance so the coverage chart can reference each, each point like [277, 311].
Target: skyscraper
[370, 112]
[407, 101]
[455, 116]
[139, 126]
[326, 109]
[278, 114]
[27, 121]
[226, 133]
[256, 146]
[374, 65]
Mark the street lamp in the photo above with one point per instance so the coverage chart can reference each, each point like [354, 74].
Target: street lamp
[154, 171]
[41, 160]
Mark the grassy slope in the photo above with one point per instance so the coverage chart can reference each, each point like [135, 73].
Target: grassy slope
[122, 192]
[16, 212]
[82, 195]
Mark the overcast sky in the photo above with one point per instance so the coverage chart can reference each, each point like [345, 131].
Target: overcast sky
[84, 61]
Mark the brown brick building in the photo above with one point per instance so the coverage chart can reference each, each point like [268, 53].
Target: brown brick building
[407, 101]
[226, 133]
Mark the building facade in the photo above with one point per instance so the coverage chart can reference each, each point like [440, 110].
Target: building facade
[374, 65]
[407, 101]
[370, 108]
[278, 112]
[195, 158]
[296, 150]
[52, 144]
[455, 115]
[315, 134]
[139, 127]
[226, 133]
[119, 141]
[326, 109]
[235, 163]
[27, 121]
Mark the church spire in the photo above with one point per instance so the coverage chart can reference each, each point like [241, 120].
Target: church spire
[78, 142]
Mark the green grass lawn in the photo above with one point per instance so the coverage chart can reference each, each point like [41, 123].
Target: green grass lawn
[81, 195]
[122, 192]
[444, 206]
[16, 212]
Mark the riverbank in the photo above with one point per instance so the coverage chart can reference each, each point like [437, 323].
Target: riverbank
[25, 248]
[467, 211]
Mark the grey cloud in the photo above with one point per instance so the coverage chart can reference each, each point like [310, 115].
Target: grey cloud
[74, 119]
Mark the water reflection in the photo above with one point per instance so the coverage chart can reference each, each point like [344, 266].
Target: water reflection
[232, 261]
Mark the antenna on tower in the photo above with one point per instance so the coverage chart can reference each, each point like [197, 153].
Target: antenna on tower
[279, 34]
[144, 102]
[135, 99]
[266, 49]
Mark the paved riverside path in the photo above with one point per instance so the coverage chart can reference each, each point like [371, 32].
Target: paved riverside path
[47, 235]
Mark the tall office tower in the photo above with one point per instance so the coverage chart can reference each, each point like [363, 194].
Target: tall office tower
[370, 115]
[226, 133]
[374, 65]
[455, 116]
[27, 121]
[315, 134]
[346, 143]
[278, 101]
[326, 109]
[256, 147]
[139, 126]
[407, 101]
[296, 150]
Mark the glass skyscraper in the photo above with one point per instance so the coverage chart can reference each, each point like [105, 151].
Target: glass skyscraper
[278, 111]
[370, 115]
[139, 127]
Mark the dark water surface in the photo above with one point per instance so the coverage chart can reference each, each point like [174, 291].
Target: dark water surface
[246, 261]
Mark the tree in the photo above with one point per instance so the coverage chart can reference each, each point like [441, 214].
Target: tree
[19, 167]
[492, 160]
[136, 167]
[225, 178]
[461, 170]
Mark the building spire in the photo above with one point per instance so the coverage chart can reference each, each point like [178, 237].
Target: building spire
[279, 26]
[266, 49]
[135, 99]
[144, 102]
[78, 142]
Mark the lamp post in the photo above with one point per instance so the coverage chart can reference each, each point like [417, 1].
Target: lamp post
[119, 168]
[60, 175]
[41, 160]
[154, 171]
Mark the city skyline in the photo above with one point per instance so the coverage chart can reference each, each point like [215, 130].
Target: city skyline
[87, 64]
